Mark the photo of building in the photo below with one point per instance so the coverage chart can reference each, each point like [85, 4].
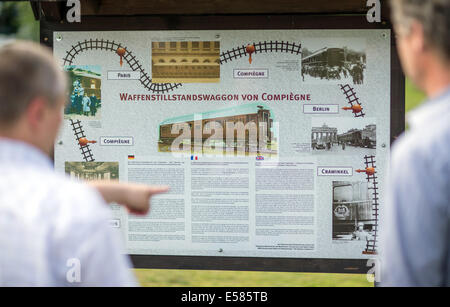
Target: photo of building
[256, 121]
[186, 62]
[90, 171]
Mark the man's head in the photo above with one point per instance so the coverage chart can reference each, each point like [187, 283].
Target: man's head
[32, 94]
[423, 32]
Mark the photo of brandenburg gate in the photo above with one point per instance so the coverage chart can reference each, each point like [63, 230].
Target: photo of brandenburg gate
[324, 133]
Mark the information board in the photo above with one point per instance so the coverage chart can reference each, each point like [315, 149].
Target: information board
[274, 142]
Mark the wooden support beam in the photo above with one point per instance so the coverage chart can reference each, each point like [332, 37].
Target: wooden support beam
[52, 10]
[92, 6]
[55, 10]
[154, 7]
[36, 9]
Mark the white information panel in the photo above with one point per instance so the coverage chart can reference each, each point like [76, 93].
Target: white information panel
[274, 143]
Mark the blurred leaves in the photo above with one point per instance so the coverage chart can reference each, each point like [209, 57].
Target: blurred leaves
[17, 20]
[9, 23]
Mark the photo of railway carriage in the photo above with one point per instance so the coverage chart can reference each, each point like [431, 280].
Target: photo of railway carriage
[330, 63]
[353, 217]
[343, 136]
[365, 137]
[85, 96]
[211, 128]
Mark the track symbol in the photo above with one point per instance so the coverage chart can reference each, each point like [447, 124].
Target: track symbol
[369, 171]
[85, 141]
[121, 52]
[369, 161]
[356, 108]
[250, 49]
[352, 100]
[79, 134]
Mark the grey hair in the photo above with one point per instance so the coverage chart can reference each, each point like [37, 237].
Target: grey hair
[434, 15]
[27, 71]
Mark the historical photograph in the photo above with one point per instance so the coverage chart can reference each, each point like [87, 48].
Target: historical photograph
[342, 62]
[85, 99]
[353, 218]
[246, 129]
[339, 135]
[186, 62]
[90, 171]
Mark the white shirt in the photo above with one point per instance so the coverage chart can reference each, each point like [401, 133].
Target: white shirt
[54, 232]
[416, 234]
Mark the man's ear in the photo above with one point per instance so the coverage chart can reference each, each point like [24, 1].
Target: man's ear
[36, 112]
[417, 37]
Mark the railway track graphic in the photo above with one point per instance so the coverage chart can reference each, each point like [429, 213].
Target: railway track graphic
[146, 81]
[371, 246]
[130, 59]
[352, 99]
[79, 133]
[272, 46]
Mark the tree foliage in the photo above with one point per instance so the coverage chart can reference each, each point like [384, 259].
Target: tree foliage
[17, 20]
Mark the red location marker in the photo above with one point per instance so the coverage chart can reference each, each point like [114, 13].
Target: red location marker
[250, 49]
[356, 108]
[369, 171]
[121, 52]
[85, 141]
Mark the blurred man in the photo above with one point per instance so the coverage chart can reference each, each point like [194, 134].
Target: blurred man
[416, 244]
[48, 224]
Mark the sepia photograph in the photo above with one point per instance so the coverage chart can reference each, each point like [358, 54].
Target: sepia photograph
[186, 62]
[85, 99]
[246, 129]
[90, 171]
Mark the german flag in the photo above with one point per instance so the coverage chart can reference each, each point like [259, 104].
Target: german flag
[130, 157]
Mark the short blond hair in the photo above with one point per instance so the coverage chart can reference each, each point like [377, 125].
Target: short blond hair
[27, 71]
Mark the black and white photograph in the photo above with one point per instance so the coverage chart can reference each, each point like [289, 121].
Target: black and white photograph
[339, 62]
[353, 218]
[343, 136]
[85, 99]
[90, 171]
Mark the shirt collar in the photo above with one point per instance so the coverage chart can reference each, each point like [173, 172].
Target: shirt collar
[14, 151]
[431, 111]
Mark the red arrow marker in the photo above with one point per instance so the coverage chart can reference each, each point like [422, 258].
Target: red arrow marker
[356, 108]
[369, 171]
